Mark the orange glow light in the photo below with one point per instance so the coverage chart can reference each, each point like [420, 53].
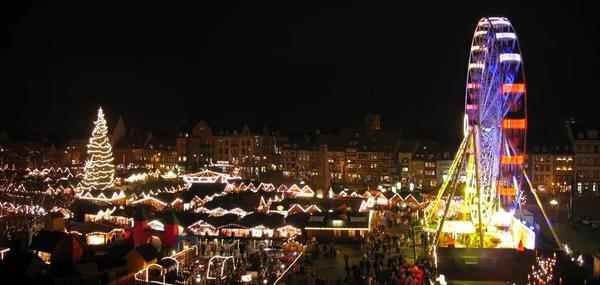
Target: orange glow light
[515, 159]
[506, 191]
[513, 88]
[514, 124]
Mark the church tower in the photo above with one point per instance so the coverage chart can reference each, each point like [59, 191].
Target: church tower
[373, 118]
[373, 122]
[323, 178]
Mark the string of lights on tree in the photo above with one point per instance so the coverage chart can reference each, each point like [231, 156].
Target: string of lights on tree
[99, 168]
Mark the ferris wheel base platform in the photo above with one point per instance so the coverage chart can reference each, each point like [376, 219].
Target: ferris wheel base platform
[485, 264]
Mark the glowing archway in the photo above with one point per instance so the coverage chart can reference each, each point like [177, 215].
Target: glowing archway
[222, 260]
[144, 274]
[176, 262]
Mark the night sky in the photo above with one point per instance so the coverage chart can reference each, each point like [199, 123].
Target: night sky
[302, 66]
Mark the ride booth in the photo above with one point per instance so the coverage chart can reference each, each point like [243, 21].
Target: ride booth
[505, 256]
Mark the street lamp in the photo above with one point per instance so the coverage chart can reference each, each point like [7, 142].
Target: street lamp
[554, 203]
[156, 157]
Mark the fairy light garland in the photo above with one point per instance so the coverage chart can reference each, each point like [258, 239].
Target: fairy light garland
[543, 273]
[99, 168]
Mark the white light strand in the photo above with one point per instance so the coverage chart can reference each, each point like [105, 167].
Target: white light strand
[99, 168]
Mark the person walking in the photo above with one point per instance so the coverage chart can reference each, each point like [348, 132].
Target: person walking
[347, 259]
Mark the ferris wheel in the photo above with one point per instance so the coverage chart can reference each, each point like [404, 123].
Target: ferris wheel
[496, 115]
[491, 158]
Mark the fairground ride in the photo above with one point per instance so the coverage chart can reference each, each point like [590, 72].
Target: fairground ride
[477, 202]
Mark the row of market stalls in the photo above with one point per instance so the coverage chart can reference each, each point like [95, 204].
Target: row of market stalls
[54, 172]
[282, 219]
[210, 204]
[260, 225]
[215, 197]
[206, 185]
[232, 214]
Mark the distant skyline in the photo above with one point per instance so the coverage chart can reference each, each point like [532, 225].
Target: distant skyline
[278, 64]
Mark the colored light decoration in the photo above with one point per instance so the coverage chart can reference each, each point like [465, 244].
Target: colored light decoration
[543, 271]
[580, 261]
[99, 171]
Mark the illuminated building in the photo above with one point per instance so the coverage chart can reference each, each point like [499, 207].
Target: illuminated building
[77, 153]
[550, 167]
[423, 165]
[443, 164]
[143, 149]
[254, 154]
[300, 161]
[237, 147]
[406, 151]
[585, 142]
[161, 154]
[356, 158]
[270, 143]
[194, 149]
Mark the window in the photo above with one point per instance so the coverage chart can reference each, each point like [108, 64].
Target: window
[316, 219]
[358, 219]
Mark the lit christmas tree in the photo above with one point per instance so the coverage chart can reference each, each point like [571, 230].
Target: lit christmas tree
[99, 168]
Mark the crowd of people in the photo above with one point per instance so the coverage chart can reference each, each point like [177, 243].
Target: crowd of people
[381, 257]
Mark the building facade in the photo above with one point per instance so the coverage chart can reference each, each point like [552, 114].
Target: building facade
[423, 166]
[550, 164]
[586, 151]
[195, 148]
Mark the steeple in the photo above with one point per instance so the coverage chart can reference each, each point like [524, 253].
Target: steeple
[119, 132]
[372, 107]
[246, 131]
[372, 116]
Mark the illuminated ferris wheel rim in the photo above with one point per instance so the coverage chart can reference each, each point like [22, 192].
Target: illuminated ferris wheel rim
[510, 35]
[495, 103]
